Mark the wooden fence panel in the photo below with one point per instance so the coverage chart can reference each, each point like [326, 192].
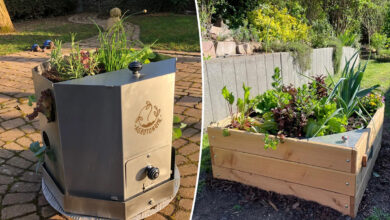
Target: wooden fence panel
[256, 71]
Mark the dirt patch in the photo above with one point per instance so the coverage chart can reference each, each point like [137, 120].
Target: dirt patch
[219, 199]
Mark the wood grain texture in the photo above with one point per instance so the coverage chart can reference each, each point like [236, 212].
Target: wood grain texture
[294, 150]
[336, 201]
[317, 177]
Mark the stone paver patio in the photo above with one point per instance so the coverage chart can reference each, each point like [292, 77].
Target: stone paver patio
[20, 187]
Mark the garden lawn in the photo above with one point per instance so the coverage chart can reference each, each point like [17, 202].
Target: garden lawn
[169, 31]
[37, 31]
[378, 73]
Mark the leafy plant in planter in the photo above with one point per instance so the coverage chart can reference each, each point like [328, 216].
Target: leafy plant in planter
[314, 109]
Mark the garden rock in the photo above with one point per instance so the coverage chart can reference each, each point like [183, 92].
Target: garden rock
[208, 49]
[223, 34]
[245, 48]
[226, 48]
[256, 46]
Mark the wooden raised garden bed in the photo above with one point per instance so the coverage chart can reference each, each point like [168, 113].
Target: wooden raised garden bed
[325, 169]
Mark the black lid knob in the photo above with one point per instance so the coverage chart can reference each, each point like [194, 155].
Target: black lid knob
[152, 172]
[135, 67]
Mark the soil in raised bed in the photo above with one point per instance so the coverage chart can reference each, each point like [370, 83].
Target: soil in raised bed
[225, 200]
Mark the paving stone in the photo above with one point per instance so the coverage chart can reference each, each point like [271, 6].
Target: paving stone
[28, 129]
[186, 204]
[189, 149]
[58, 217]
[182, 215]
[3, 188]
[24, 142]
[188, 169]
[19, 162]
[35, 137]
[188, 132]
[4, 98]
[194, 157]
[29, 176]
[189, 101]
[196, 113]
[48, 211]
[29, 217]
[156, 217]
[10, 114]
[187, 192]
[6, 154]
[42, 200]
[9, 170]
[11, 135]
[17, 210]
[25, 187]
[6, 179]
[13, 146]
[17, 198]
[179, 142]
[168, 210]
[27, 154]
[180, 159]
[13, 123]
[188, 181]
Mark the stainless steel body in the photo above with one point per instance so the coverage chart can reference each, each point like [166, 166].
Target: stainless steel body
[112, 137]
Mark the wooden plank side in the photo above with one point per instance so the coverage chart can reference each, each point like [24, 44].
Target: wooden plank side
[367, 139]
[214, 76]
[261, 73]
[240, 70]
[251, 75]
[364, 176]
[300, 151]
[269, 69]
[286, 68]
[208, 105]
[317, 177]
[336, 201]
[229, 78]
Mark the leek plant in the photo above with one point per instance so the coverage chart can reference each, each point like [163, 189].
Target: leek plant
[347, 90]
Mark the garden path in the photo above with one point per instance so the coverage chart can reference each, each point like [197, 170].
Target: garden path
[20, 187]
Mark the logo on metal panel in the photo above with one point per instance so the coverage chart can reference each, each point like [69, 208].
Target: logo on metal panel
[148, 120]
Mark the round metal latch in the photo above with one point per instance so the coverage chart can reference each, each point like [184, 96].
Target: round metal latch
[152, 172]
[135, 67]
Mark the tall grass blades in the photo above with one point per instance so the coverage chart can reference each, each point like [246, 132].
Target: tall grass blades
[116, 50]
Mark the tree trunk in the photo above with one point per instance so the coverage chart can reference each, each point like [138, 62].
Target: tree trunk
[5, 21]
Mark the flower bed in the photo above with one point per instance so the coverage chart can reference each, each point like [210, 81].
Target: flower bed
[305, 141]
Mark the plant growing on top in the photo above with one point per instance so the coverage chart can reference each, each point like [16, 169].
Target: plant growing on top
[347, 91]
[116, 50]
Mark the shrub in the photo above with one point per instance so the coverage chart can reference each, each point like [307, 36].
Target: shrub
[378, 41]
[29, 9]
[274, 24]
[234, 12]
[350, 39]
[321, 33]
[245, 33]
[301, 52]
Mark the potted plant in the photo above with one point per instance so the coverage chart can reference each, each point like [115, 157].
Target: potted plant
[318, 142]
[107, 131]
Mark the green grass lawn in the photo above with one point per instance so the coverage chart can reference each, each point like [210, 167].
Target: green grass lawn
[378, 73]
[172, 32]
[29, 33]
